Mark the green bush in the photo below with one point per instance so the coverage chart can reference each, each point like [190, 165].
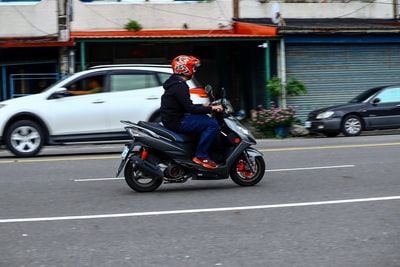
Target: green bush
[133, 25]
[293, 87]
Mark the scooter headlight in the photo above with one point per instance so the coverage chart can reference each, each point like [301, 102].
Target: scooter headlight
[244, 130]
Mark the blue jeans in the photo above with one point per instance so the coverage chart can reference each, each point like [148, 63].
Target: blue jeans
[206, 126]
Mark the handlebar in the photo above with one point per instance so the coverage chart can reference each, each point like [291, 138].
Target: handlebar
[222, 101]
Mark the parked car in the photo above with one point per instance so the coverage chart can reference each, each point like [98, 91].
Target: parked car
[72, 111]
[375, 109]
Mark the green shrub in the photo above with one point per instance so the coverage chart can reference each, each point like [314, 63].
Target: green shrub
[293, 87]
[133, 25]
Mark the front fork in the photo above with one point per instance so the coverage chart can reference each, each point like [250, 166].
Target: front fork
[248, 161]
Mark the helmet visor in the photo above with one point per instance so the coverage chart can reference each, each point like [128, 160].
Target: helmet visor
[195, 67]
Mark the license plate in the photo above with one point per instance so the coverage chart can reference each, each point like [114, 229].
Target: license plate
[124, 152]
[307, 124]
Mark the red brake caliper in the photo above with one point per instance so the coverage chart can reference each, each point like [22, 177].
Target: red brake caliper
[242, 168]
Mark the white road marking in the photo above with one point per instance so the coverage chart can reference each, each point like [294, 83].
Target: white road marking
[96, 179]
[311, 168]
[192, 211]
[275, 170]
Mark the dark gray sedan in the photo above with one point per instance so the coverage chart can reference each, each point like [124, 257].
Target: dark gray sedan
[374, 109]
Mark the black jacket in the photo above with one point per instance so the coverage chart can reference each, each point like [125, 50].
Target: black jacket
[176, 102]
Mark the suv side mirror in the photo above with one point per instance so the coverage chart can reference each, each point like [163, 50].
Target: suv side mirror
[60, 93]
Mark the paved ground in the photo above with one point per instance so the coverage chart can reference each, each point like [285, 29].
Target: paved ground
[259, 135]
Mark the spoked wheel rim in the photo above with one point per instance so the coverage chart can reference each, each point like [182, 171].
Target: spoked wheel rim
[242, 174]
[139, 181]
[142, 179]
[352, 126]
[25, 139]
[244, 171]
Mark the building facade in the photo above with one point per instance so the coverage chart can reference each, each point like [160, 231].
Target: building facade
[45, 40]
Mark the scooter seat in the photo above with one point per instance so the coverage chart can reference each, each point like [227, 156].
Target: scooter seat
[161, 130]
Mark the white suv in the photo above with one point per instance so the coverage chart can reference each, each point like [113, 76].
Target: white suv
[67, 112]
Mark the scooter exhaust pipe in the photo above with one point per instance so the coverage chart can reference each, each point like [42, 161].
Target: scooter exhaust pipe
[147, 167]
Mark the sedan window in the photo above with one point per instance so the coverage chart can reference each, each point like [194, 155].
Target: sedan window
[365, 95]
[389, 95]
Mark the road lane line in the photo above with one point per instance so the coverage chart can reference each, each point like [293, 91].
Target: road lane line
[261, 150]
[311, 168]
[96, 179]
[58, 159]
[328, 147]
[275, 170]
[194, 211]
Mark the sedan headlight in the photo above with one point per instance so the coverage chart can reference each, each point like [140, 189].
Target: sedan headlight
[325, 114]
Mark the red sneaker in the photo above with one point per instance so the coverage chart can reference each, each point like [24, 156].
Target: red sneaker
[205, 162]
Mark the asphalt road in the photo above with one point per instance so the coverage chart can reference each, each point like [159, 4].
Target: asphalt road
[322, 202]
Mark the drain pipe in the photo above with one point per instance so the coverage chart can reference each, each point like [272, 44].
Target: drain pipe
[71, 69]
[282, 71]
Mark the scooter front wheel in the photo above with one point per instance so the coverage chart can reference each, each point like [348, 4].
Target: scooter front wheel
[139, 181]
[242, 174]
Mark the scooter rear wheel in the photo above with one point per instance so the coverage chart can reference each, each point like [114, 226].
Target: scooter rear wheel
[139, 181]
[242, 175]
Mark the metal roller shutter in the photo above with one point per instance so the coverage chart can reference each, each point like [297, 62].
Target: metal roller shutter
[334, 73]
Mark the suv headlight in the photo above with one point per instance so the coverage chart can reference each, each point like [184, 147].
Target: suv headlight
[325, 114]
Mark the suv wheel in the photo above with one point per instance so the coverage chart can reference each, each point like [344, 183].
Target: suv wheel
[352, 125]
[24, 138]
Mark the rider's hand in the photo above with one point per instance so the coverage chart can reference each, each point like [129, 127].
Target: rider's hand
[217, 108]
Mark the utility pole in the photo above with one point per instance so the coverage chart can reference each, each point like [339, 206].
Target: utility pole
[395, 10]
[235, 9]
[64, 17]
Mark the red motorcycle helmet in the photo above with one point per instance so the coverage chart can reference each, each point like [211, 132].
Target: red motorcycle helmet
[185, 65]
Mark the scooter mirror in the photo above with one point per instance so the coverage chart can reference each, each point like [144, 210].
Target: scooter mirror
[208, 88]
[223, 93]
[210, 92]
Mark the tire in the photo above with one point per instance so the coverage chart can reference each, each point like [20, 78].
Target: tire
[352, 125]
[331, 134]
[242, 175]
[139, 181]
[24, 138]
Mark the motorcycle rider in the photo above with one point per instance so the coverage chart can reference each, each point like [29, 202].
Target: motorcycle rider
[178, 113]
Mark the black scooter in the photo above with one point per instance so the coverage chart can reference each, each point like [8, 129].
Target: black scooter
[157, 154]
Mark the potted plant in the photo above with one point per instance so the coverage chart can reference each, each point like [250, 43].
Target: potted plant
[293, 87]
[274, 121]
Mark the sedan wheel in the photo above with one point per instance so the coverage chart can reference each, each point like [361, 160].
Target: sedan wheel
[24, 138]
[331, 134]
[352, 125]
